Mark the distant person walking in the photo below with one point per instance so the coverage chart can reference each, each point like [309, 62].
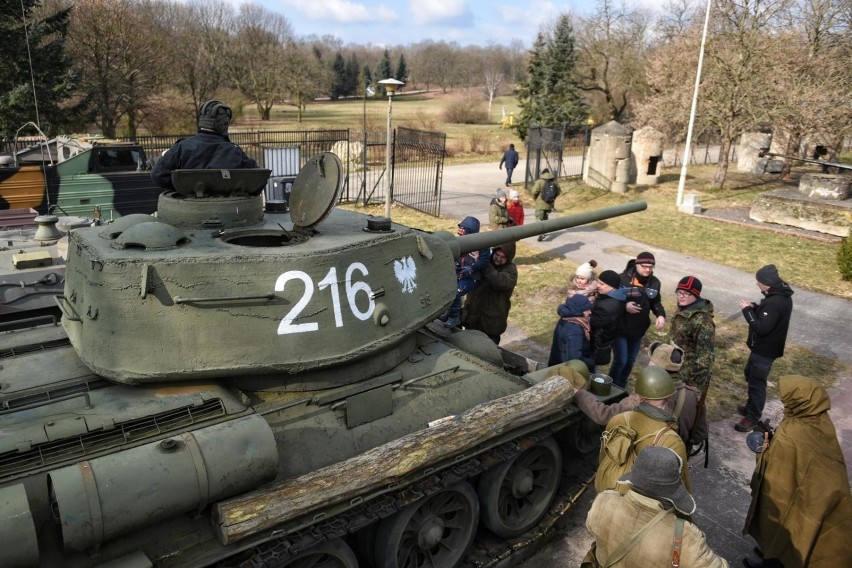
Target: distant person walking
[487, 306]
[545, 190]
[515, 208]
[209, 149]
[767, 334]
[510, 158]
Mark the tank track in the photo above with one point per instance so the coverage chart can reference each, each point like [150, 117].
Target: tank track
[487, 550]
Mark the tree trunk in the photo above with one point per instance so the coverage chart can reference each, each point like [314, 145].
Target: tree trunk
[242, 516]
[722, 166]
[791, 149]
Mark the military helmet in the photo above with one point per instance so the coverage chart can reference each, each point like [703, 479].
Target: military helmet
[580, 367]
[215, 116]
[654, 383]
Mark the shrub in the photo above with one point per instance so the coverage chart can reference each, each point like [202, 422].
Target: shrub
[844, 258]
[465, 111]
[480, 141]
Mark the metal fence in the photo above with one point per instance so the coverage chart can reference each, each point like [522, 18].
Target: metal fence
[417, 158]
[562, 153]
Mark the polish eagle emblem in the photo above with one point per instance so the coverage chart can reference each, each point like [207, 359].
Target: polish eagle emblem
[406, 273]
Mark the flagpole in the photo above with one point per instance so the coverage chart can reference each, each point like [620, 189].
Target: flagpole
[687, 148]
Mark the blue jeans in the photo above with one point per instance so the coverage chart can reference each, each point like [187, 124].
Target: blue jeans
[509, 175]
[756, 372]
[624, 353]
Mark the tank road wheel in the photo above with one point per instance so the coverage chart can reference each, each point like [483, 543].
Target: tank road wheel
[433, 533]
[515, 494]
[331, 554]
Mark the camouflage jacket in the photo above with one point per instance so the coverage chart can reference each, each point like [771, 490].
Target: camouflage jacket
[694, 331]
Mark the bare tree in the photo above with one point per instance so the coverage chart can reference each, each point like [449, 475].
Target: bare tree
[257, 60]
[117, 46]
[611, 57]
[493, 64]
[198, 42]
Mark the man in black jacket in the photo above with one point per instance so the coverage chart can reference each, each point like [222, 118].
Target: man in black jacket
[643, 299]
[767, 333]
[209, 149]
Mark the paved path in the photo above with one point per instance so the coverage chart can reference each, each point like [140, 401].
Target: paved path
[820, 322]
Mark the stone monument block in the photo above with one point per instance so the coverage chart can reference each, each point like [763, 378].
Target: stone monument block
[825, 186]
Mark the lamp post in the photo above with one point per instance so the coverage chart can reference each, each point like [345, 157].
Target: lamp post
[368, 92]
[391, 85]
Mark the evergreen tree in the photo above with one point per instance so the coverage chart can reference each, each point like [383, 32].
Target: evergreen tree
[401, 69]
[551, 96]
[364, 79]
[383, 71]
[353, 68]
[54, 80]
[338, 77]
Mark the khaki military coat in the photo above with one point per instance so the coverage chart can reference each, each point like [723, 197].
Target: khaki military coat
[614, 517]
[646, 428]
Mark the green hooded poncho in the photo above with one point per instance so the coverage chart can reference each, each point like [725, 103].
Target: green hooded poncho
[801, 509]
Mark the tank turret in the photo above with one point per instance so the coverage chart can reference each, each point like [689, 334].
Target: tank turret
[230, 387]
[229, 293]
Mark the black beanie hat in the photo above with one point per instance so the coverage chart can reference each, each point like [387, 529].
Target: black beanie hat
[768, 276]
[690, 284]
[610, 278]
[645, 258]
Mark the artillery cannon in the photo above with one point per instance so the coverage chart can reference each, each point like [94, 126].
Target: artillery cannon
[232, 388]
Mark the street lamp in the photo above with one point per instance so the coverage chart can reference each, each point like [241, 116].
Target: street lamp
[391, 85]
[368, 92]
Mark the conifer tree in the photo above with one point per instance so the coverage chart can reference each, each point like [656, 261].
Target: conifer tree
[401, 69]
[551, 96]
[338, 77]
[54, 80]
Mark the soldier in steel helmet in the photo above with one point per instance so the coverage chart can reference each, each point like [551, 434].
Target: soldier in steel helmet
[210, 148]
[683, 406]
[652, 423]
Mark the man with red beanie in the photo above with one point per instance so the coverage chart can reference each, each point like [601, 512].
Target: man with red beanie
[767, 333]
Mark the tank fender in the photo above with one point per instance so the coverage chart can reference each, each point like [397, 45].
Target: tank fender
[112, 495]
[17, 531]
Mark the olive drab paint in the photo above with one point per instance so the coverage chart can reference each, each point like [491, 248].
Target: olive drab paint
[220, 356]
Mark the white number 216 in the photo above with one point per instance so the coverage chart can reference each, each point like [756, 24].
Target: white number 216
[329, 281]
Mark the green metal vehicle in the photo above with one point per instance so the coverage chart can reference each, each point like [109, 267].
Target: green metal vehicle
[234, 388]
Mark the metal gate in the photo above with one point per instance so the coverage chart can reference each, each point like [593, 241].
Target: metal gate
[417, 161]
[417, 167]
[553, 149]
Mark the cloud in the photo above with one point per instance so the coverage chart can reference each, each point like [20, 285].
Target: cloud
[448, 12]
[341, 11]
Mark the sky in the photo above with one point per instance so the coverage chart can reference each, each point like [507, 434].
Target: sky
[403, 22]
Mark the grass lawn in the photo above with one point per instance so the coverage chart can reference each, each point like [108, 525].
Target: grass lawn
[543, 277]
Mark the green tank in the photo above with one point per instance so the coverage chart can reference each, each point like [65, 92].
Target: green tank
[230, 387]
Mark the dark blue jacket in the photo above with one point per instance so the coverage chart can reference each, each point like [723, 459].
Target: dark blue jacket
[204, 151]
[510, 158]
[469, 266]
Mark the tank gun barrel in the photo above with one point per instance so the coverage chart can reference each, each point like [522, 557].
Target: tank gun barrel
[807, 160]
[468, 243]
